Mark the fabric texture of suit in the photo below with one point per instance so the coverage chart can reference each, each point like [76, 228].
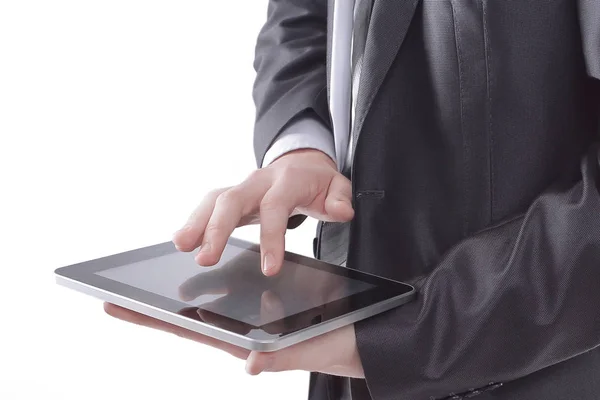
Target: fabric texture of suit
[476, 176]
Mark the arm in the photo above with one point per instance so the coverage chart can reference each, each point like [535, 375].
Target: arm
[291, 69]
[535, 279]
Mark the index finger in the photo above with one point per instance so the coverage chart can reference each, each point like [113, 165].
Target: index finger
[190, 235]
[275, 210]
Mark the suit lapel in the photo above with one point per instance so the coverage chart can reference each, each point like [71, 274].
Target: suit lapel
[389, 24]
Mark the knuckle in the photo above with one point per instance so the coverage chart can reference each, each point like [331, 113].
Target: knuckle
[213, 229]
[228, 198]
[287, 171]
[290, 170]
[268, 235]
[213, 194]
[272, 234]
[270, 204]
[256, 174]
[313, 189]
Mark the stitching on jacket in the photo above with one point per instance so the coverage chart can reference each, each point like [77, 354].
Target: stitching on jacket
[465, 142]
[378, 194]
[488, 70]
[471, 392]
[316, 102]
[319, 94]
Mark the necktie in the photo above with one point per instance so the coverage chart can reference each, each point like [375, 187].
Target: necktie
[362, 15]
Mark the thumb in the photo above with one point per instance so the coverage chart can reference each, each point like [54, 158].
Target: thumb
[334, 353]
[338, 203]
[294, 358]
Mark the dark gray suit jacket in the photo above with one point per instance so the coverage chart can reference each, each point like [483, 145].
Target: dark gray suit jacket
[476, 176]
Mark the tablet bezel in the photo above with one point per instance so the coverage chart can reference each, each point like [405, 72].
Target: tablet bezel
[385, 295]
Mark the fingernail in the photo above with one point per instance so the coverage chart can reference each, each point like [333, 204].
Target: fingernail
[268, 263]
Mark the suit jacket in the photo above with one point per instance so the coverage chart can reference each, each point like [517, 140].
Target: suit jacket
[476, 177]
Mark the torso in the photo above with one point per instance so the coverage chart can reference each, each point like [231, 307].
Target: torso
[485, 105]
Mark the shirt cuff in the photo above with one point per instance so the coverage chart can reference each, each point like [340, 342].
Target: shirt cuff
[302, 133]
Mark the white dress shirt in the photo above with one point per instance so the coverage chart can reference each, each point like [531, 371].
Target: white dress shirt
[306, 132]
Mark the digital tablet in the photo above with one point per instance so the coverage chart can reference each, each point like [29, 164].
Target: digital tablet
[233, 301]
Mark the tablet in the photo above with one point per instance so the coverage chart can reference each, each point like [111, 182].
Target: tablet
[233, 301]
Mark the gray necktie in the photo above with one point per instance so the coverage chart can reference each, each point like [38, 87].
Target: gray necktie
[362, 15]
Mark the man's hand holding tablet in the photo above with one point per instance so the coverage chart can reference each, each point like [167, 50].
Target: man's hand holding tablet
[301, 182]
[278, 310]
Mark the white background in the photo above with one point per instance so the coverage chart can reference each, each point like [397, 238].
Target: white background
[116, 117]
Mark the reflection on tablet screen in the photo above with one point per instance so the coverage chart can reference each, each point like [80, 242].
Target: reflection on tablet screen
[235, 287]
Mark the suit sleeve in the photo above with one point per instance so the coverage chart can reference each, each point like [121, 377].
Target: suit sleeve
[507, 302]
[290, 63]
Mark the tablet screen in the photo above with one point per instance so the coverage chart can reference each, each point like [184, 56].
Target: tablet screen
[236, 288]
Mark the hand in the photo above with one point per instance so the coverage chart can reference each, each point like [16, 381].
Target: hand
[333, 353]
[300, 182]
